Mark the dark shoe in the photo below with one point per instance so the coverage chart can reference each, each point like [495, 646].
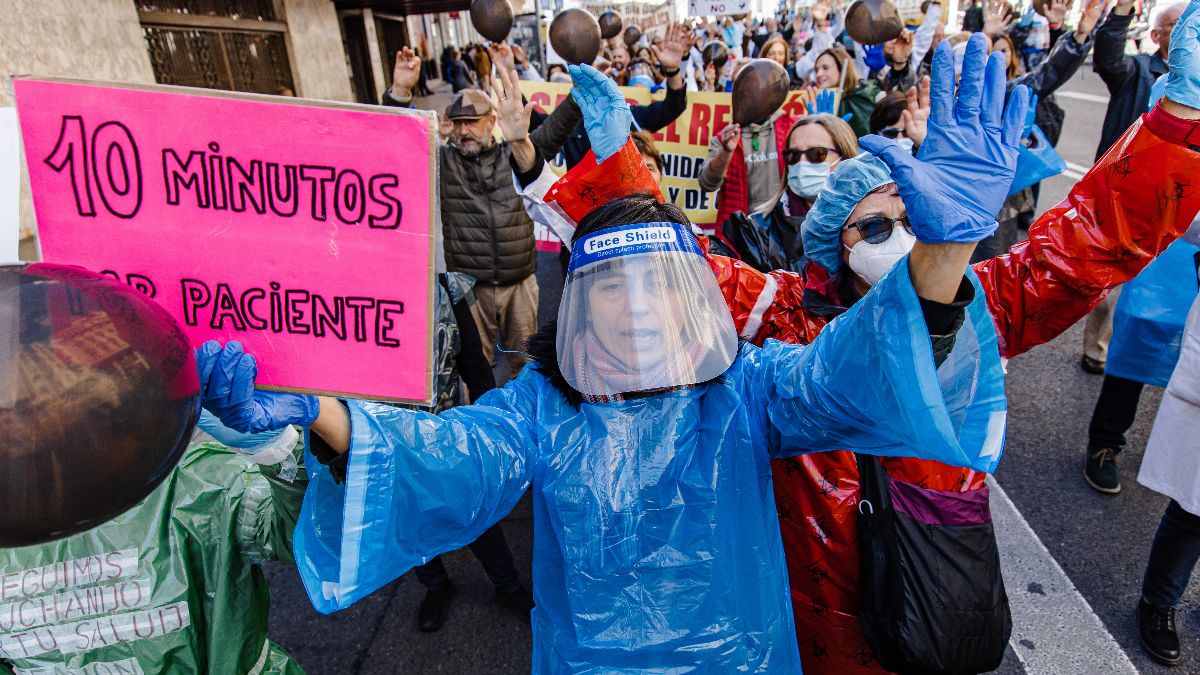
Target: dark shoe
[1100, 470]
[1091, 366]
[1157, 629]
[519, 601]
[435, 608]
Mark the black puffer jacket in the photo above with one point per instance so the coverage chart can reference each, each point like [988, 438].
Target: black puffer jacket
[485, 230]
[1060, 65]
[1128, 78]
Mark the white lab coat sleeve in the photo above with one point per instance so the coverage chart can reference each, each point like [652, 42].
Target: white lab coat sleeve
[1171, 465]
[924, 37]
[541, 213]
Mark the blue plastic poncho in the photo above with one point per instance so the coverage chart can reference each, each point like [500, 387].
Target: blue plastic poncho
[657, 545]
[1149, 317]
[852, 180]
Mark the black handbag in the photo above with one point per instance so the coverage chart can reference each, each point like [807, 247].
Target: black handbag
[933, 598]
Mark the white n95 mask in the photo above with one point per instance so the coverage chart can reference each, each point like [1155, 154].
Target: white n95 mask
[872, 261]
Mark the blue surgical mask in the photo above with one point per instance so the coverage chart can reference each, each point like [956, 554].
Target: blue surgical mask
[806, 179]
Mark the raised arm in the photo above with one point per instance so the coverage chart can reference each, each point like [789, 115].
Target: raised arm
[953, 190]
[1065, 57]
[923, 39]
[870, 382]
[416, 484]
[550, 135]
[1109, 59]
[1128, 208]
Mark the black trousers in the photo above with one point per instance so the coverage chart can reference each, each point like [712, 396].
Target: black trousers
[1114, 413]
[491, 548]
[1173, 556]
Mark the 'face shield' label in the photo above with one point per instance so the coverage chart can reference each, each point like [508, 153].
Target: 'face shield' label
[632, 239]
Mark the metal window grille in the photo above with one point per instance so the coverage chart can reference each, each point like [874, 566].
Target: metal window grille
[238, 45]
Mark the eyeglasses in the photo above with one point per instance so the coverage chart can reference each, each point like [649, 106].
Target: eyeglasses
[813, 155]
[892, 132]
[877, 229]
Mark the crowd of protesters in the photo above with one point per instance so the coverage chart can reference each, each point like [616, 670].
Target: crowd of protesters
[680, 422]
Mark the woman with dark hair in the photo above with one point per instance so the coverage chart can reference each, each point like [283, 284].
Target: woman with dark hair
[645, 431]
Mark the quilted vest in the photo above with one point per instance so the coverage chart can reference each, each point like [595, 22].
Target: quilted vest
[485, 229]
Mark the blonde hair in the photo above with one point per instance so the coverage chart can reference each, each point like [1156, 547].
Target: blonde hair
[844, 140]
[787, 52]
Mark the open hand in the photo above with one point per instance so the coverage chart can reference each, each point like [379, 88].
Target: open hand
[916, 115]
[1056, 12]
[406, 73]
[511, 113]
[821, 102]
[606, 114]
[996, 16]
[674, 44]
[1088, 19]
[501, 55]
[959, 180]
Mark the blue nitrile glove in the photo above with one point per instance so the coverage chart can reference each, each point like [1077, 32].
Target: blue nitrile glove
[1183, 58]
[606, 115]
[958, 181]
[824, 103]
[227, 391]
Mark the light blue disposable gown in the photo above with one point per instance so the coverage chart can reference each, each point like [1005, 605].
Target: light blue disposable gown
[656, 545]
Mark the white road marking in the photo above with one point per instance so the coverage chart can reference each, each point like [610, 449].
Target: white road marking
[1080, 96]
[1077, 168]
[1055, 630]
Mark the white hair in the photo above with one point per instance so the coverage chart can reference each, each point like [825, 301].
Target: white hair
[1162, 12]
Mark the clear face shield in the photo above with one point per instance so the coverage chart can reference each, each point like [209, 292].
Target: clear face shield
[641, 310]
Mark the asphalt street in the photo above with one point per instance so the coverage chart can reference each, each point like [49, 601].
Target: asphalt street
[1056, 524]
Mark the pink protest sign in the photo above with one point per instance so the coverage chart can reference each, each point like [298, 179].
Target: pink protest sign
[305, 230]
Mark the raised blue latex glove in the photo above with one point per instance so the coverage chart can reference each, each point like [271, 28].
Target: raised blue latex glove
[227, 391]
[958, 181]
[606, 115]
[823, 105]
[1183, 58]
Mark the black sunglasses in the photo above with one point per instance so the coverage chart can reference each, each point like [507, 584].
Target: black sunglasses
[891, 132]
[813, 155]
[877, 229]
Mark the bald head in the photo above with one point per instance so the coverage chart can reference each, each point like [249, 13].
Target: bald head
[1164, 23]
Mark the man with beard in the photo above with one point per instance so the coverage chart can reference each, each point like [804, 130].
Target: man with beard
[485, 230]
